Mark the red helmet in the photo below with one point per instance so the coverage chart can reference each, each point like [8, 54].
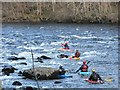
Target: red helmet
[84, 62]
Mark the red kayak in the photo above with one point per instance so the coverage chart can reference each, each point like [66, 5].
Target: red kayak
[63, 49]
[93, 82]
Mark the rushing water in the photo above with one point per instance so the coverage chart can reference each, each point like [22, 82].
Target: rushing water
[97, 43]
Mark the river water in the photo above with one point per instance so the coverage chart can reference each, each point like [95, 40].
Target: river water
[97, 43]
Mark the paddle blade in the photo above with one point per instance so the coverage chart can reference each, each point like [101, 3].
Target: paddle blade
[88, 62]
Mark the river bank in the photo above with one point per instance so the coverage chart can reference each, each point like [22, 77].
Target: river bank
[61, 12]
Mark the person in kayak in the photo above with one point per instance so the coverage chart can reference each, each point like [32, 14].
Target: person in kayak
[62, 71]
[84, 67]
[66, 45]
[77, 54]
[95, 76]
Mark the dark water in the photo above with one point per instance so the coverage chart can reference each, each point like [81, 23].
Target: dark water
[97, 43]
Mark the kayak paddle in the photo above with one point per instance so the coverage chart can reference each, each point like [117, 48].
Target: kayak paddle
[78, 69]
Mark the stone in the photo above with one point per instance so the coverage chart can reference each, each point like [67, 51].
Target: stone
[62, 56]
[57, 82]
[42, 73]
[16, 58]
[24, 63]
[43, 57]
[7, 69]
[17, 83]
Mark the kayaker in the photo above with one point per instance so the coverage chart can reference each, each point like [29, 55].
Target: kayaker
[66, 45]
[77, 54]
[84, 67]
[62, 71]
[95, 76]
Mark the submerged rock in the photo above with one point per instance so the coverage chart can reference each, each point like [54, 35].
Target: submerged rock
[24, 63]
[20, 73]
[17, 83]
[39, 61]
[57, 82]
[15, 58]
[43, 57]
[62, 56]
[7, 69]
[42, 73]
[29, 88]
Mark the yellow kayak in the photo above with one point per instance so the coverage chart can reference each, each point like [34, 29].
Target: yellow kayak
[75, 58]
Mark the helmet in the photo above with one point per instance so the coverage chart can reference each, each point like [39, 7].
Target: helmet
[60, 67]
[93, 70]
[77, 50]
[84, 62]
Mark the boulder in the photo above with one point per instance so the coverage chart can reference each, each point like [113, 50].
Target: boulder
[29, 88]
[17, 83]
[15, 58]
[43, 57]
[7, 69]
[62, 56]
[42, 73]
[24, 63]
[39, 61]
[20, 73]
[57, 82]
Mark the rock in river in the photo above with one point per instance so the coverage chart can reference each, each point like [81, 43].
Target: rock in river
[15, 58]
[42, 73]
[44, 57]
[7, 69]
[17, 83]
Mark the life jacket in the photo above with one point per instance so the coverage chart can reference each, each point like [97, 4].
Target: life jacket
[84, 68]
[94, 77]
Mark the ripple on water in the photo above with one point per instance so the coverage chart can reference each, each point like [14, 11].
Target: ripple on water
[98, 46]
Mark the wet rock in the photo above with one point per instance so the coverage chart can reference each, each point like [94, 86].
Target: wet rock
[39, 58]
[57, 82]
[42, 73]
[7, 69]
[39, 61]
[62, 56]
[15, 58]
[43, 57]
[24, 63]
[20, 73]
[29, 88]
[17, 83]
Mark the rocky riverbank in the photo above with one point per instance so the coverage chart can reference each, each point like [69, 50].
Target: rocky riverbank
[70, 12]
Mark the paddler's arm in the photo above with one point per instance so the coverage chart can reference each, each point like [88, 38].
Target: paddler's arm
[99, 77]
[62, 44]
[101, 81]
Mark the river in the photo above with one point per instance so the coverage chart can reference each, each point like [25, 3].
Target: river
[97, 43]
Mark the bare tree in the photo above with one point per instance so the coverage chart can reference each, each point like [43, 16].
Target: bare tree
[53, 5]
